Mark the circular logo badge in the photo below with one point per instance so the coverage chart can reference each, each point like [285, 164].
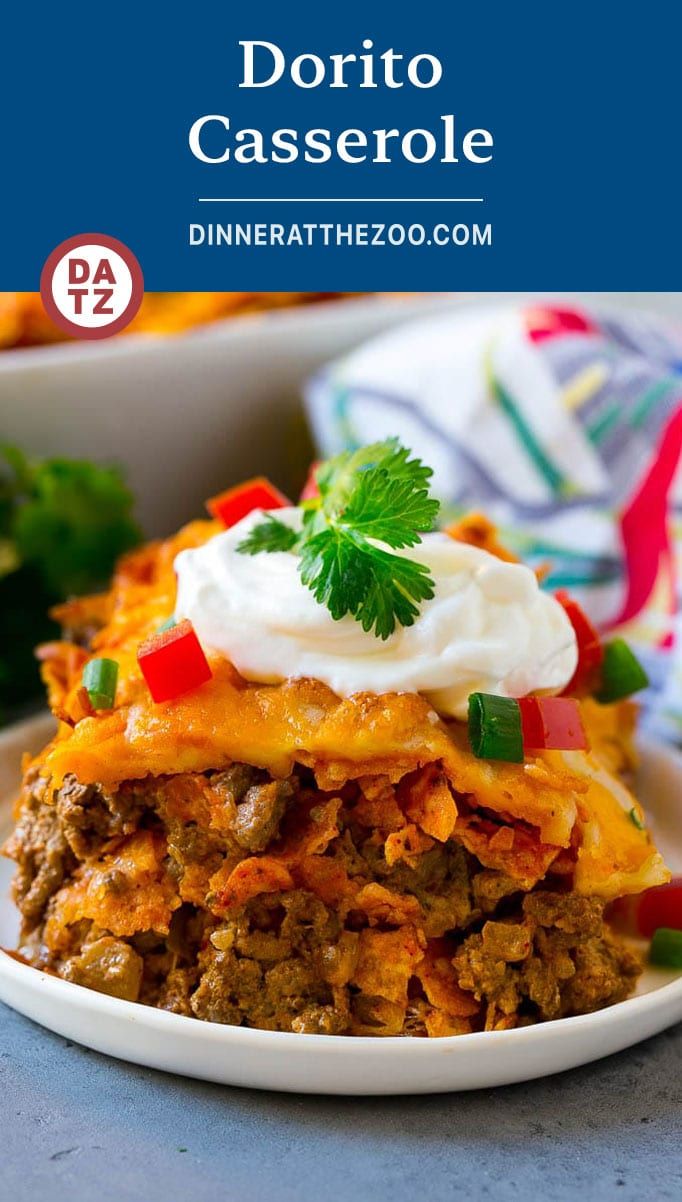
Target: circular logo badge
[91, 286]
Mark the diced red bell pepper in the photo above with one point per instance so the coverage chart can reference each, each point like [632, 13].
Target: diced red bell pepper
[231, 506]
[552, 724]
[173, 662]
[532, 725]
[660, 907]
[311, 488]
[590, 650]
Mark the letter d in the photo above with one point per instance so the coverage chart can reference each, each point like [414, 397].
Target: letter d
[197, 234]
[277, 71]
[79, 270]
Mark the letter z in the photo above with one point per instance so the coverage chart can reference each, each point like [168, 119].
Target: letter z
[105, 294]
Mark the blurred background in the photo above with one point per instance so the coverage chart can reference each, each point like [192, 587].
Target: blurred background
[556, 415]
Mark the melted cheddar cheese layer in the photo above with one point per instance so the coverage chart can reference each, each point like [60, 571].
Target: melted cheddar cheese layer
[570, 801]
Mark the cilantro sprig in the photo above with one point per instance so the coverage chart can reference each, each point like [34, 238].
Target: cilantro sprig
[376, 494]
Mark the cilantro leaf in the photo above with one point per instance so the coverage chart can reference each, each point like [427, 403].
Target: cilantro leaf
[338, 478]
[350, 575]
[269, 535]
[376, 494]
[390, 510]
[398, 585]
[334, 568]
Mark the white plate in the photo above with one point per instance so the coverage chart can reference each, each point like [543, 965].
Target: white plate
[338, 1064]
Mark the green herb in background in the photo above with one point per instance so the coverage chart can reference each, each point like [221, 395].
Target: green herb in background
[63, 523]
[374, 493]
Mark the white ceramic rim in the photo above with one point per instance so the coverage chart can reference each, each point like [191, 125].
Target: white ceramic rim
[381, 1047]
[50, 354]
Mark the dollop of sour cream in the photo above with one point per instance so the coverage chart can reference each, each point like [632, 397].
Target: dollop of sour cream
[489, 627]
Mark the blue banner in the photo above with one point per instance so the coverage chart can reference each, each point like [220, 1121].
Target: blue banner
[459, 146]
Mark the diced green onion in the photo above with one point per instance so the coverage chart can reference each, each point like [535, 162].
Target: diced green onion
[99, 678]
[635, 818]
[167, 625]
[495, 730]
[622, 673]
[666, 948]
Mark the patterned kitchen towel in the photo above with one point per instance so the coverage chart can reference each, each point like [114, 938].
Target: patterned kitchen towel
[565, 427]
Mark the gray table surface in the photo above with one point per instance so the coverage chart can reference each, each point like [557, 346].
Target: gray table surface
[83, 1127]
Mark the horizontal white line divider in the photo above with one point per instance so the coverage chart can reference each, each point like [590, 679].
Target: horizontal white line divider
[376, 200]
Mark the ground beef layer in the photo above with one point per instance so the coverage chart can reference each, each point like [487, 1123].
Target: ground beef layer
[237, 898]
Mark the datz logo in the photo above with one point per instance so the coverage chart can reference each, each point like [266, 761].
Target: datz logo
[91, 286]
[213, 140]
